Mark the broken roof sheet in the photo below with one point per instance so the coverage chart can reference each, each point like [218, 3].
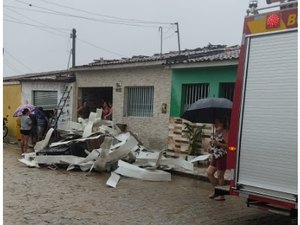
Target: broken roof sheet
[60, 75]
[208, 53]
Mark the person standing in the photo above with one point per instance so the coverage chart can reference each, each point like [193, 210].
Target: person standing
[25, 130]
[109, 109]
[84, 110]
[105, 110]
[218, 151]
[34, 128]
[42, 122]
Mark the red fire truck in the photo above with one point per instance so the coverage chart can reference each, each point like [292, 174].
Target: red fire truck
[262, 144]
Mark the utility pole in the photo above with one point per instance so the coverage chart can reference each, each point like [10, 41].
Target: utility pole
[73, 36]
[177, 31]
[161, 39]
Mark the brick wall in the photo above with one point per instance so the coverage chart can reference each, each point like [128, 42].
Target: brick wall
[151, 131]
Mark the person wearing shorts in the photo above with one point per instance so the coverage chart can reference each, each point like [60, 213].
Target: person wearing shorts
[218, 151]
[25, 130]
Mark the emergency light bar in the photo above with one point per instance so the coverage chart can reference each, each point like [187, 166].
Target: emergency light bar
[273, 21]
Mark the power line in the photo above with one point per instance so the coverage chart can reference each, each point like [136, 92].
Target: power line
[59, 13]
[33, 25]
[88, 43]
[102, 15]
[5, 51]
[83, 41]
[12, 68]
[169, 36]
[50, 27]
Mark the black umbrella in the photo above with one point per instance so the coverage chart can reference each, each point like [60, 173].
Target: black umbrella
[207, 110]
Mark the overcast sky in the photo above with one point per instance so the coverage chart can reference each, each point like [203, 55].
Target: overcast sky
[36, 33]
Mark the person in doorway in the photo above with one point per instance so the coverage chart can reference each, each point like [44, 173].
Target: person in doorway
[218, 151]
[108, 116]
[105, 110]
[26, 125]
[84, 110]
[51, 120]
[42, 122]
[33, 133]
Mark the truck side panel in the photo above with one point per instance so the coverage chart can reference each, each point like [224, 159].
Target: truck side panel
[268, 133]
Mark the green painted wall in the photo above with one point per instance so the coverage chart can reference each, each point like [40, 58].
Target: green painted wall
[212, 75]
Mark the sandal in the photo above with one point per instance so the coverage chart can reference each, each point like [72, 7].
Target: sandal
[220, 198]
[212, 195]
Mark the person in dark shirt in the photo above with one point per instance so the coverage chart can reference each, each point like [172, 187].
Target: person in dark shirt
[33, 134]
[42, 122]
[84, 110]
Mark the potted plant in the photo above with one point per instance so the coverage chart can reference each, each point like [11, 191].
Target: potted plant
[194, 135]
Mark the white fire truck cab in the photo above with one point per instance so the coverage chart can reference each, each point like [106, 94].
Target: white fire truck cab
[262, 144]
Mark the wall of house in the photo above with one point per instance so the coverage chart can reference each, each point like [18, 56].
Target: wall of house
[212, 75]
[151, 131]
[27, 96]
[11, 101]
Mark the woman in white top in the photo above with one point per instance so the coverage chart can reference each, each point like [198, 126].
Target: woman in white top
[218, 150]
[25, 130]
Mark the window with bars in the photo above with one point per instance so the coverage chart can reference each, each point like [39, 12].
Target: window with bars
[139, 101]
[193, 92]
[46, 99]
[226, 90]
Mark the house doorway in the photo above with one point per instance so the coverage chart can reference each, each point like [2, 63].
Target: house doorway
[94, 95]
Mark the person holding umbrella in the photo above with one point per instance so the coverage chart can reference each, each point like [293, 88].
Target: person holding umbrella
[217, 149]
[215, 111]
[25, 130]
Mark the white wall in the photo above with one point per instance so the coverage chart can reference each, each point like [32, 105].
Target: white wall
[152, 131]
[27, 96]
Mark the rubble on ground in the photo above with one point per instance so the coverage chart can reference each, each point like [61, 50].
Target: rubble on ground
[99, 145]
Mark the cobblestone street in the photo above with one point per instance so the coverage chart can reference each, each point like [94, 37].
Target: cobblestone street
[44, 196]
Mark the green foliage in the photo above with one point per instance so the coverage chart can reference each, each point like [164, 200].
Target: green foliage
[194, 134]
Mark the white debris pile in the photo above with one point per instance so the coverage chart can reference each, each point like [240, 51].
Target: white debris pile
[99, 145]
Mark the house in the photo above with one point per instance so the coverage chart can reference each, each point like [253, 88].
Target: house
[139, 89]
[146, 90]
[39, 89]
[206, 72]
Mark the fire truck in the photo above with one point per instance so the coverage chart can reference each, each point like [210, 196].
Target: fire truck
[262, 142]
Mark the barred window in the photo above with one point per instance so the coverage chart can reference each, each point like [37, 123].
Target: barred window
[193, 92]
[139, 101]
[46, 99]
[227, 90]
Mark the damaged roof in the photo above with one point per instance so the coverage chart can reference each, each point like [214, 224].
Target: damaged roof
[210, 53]
[205, 54]
[55, 76]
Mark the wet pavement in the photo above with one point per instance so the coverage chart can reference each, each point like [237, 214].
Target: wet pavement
[45, 196]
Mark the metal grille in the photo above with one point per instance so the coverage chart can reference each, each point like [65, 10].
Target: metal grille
[194, 92]
[140, 101]
[45, 99]
[227, 90]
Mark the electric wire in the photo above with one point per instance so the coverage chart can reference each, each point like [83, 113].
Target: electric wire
[118, 20]
[54, 12]
[81, 40]
[169, 36]
[55, 30]
[19, 61]
[88, 43]
[33, 25]
[12, 68]
[102, 15]
[69, 59]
